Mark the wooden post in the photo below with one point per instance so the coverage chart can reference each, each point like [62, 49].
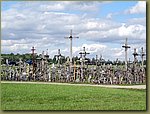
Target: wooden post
[74, 71]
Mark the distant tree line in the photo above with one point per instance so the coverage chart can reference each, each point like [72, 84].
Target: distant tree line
[26, 57]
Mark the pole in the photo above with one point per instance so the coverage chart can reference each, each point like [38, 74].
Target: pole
[74, 71]
[142, 56]
[59, 55]
[135, 59]
[71, 52]
[126, 62]
[33, 49]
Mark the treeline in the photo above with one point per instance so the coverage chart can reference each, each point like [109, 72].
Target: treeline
[26, 57]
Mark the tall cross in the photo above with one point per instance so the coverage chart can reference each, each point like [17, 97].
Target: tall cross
[82, 60]
[71, 37]
[126, 48]
[83, 55]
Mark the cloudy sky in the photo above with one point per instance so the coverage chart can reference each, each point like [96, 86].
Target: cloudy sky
[101, 27]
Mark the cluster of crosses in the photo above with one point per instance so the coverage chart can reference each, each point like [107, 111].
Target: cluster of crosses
[100, 73]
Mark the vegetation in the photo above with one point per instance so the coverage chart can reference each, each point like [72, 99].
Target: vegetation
[63, 97]
[25, 57]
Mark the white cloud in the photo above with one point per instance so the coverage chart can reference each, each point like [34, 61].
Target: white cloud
[119, 53]
[53, 7]
[109, 16]
[141, 21]
[140, 7]
[45, 28]
[99, 49]
[133, 31]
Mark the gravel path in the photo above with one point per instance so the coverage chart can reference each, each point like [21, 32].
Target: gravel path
[108, 86]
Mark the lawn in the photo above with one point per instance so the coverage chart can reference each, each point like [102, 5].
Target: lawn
[66, 97]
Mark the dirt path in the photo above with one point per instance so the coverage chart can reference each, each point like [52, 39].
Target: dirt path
[108, 86]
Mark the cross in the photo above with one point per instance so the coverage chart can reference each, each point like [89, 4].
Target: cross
[59, 57]
[82, 60]
[84, 53]
[135, 54]
[71, 37]
[83, 57]
[33, 49]
[126, 48]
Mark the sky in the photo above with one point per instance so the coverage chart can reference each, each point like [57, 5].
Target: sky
[102, 27]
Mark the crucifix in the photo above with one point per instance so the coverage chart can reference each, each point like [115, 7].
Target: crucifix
[126, 48]
[70, 38]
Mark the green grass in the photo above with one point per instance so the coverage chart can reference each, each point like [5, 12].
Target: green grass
[64, 97]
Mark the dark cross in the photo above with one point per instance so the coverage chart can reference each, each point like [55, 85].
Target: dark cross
[33, 49]
[84, 53]
[82, 60]
[71, 37]
[126, 48]
[83, 56]
[135, 59]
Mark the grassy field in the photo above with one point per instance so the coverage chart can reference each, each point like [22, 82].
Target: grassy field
[63, 97]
